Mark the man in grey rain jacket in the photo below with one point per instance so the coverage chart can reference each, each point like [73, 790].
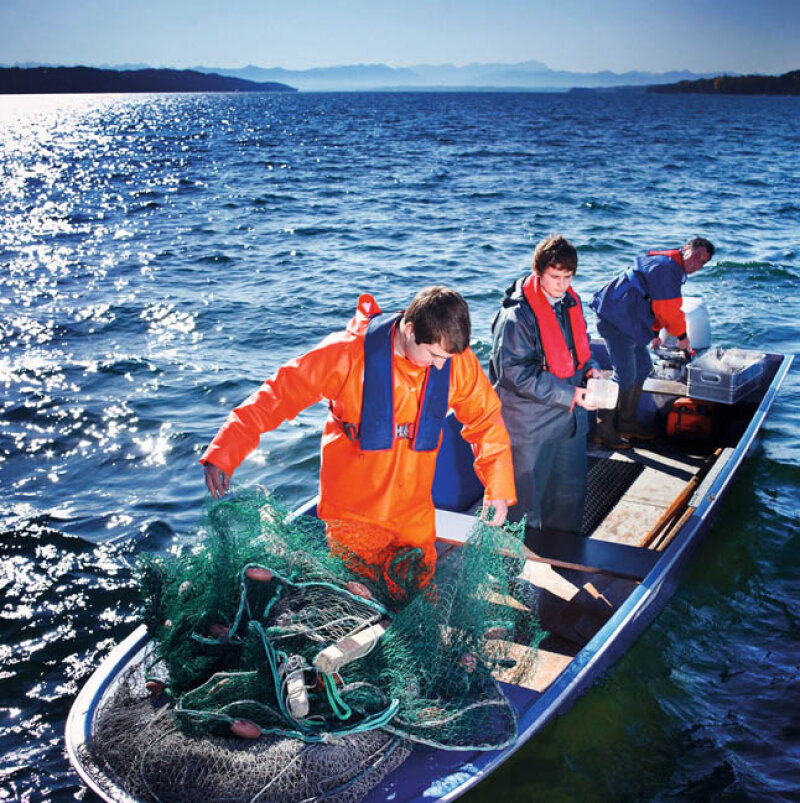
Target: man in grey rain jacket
[539, 363]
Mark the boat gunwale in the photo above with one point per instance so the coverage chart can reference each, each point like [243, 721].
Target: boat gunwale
[78, 729]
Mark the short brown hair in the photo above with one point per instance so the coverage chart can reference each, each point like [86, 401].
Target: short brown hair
[440, 315]
[555, 250]
[701, 242]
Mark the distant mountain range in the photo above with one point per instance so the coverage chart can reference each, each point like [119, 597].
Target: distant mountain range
[533, 75]
[523, 76]
[526, 75]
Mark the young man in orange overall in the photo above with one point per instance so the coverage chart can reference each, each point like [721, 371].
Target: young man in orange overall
[389, 381]
[540, 359]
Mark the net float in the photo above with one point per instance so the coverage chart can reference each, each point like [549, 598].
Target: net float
[219, 631]
[359, 589]
[245, 730]
[258, 574]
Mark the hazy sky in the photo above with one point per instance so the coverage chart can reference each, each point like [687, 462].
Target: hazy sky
[578, 35]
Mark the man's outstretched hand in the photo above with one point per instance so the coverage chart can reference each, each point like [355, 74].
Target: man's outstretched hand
[500, 509]
[217, 481]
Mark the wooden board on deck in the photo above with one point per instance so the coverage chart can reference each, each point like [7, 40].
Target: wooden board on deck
[661, 480]
[560, 549]
[541, 667]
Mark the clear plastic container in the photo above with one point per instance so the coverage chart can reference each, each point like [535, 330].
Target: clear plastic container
[603, 393]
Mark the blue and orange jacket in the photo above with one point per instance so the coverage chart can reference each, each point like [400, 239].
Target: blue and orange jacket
[646, 297]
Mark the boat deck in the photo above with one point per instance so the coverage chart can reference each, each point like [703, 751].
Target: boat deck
[660, 481]
[634, 499]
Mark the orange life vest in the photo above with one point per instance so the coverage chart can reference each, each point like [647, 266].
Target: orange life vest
[691, 420]
[557, 356]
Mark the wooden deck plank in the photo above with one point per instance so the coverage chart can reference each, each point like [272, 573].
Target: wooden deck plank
[560, 549]
[653, 487]
[627, 522]
[661, 481]
[543, 666]
[545, 577]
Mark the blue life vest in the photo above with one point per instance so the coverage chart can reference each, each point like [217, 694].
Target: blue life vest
[378, 429]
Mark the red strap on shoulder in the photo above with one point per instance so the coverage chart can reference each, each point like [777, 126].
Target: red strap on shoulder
[556, 354]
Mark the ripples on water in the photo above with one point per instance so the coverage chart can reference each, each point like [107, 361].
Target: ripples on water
[159, 256]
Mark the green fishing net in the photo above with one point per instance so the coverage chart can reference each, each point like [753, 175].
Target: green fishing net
[260, 630]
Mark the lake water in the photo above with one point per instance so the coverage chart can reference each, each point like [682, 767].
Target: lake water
[161, 255]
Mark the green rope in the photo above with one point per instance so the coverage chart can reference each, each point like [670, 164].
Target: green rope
[339, 706]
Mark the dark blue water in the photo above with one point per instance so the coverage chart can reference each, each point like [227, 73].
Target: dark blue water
[160, 256]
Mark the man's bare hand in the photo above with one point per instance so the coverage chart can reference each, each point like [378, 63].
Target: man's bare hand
[217, 481]
[580, 399]
[500, 511]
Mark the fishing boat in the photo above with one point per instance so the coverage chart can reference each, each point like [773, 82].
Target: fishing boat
[647, 510]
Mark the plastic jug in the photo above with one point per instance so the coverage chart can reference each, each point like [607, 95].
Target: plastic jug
[698, 325]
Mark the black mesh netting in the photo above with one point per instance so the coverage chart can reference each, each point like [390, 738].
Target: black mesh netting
[284, 669]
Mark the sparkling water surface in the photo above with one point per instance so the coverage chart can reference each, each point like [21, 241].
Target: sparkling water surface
[161, 255]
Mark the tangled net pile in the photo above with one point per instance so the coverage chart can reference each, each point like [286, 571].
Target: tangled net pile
[240, 628]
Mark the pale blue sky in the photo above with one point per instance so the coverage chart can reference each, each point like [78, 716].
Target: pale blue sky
[578, 35]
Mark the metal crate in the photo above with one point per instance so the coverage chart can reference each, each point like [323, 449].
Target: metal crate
[725, 375]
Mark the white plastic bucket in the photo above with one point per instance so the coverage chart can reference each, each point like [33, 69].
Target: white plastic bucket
[698, 325]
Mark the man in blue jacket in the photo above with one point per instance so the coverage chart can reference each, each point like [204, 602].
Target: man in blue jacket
[631, 310]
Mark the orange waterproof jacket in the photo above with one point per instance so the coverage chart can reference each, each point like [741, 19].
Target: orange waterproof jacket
[390, 488]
